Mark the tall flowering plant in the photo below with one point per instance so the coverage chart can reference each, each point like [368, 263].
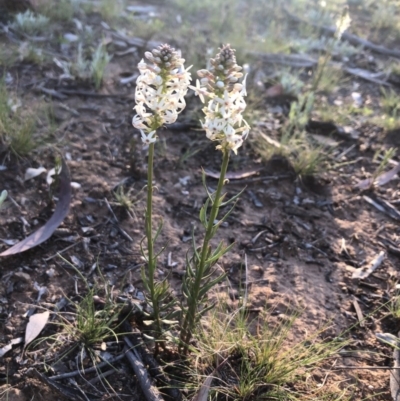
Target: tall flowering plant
[220, 90]
[160, 89]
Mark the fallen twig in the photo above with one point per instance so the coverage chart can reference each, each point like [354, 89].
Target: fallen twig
[89, 370]
[92, 94]
[359, 313]
[150, 392]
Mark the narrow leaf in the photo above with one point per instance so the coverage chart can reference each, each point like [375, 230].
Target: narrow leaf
[202, 395]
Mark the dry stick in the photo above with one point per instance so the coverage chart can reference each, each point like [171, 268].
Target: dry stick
[353, 39]
[102, 376]
[150, 392]
[92, 94]
[358, 312]
[299, 61]
[89, 370]
[155, 370]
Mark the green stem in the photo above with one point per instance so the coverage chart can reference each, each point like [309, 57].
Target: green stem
[152, 260]
[190, 318]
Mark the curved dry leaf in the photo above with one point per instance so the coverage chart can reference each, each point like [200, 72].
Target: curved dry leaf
[202, 394]
[61, 211]
[49, 178]
[3, 196]
[237, 175]
[33, 172]
[365, 271]
[8, 347]
[382, 179]
[35, 326]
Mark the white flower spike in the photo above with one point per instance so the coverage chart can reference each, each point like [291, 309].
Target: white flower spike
[160, 90]
[223, 113]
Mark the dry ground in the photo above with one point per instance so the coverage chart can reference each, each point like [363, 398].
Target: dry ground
[303, 236]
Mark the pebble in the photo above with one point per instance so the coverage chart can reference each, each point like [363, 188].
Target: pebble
[23, 276]
[257, 269]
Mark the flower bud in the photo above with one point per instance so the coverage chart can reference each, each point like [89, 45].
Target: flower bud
[202, 73]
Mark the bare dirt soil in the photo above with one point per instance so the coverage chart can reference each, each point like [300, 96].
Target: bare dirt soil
[303, 237]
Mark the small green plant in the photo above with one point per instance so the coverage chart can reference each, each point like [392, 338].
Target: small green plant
[305, 157]
[29, 53]
[98, 64]
[260, 363]
[330, 79]
[96, 317]
[394, 305]
[64, 11]
[93, 325]
[30, 23]
[16, 127]
[110, 10]
[384, 15]
[390, 103]
[126, 200]
[384, 156]
[87, 69]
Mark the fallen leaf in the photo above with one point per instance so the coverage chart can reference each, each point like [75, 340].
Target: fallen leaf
[3, 196]
[237, 175]
[202, 394]
[382, 179]
[364, 272]
[49, 178]
[76, 185]
[61, 211]
[35, 326]
[33, 172]
[8, 347]
[389, 339]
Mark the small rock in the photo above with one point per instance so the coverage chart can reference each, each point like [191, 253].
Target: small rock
[140, 296]
[23, 276]
[257, 269]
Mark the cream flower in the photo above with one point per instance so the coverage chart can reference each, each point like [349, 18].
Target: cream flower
[160, 90]
[149, 138]
[223, 122]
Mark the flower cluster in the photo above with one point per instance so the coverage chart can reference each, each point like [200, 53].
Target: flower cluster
[160, 90]
[223, 115]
